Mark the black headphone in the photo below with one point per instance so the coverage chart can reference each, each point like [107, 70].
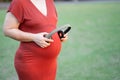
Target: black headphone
[61, 33]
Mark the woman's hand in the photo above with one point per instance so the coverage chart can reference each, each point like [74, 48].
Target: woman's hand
[65, 38]
[41, 41]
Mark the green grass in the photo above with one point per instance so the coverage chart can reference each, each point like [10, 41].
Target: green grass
[7, 51]
[92, 51]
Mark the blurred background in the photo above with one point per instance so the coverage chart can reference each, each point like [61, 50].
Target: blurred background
[92, 51]
[66, 0]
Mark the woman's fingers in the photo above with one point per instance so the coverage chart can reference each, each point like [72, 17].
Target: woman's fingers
[45, 44]
[49, 40]
[41, 40]
[65, 38]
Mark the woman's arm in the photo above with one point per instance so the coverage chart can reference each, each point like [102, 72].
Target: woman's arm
[11, 29]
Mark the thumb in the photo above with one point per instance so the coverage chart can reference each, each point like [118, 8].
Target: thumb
[49, 40]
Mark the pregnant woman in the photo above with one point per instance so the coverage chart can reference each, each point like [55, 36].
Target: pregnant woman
[28, 21]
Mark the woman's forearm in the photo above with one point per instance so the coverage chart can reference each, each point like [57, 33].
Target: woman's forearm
[19, 35]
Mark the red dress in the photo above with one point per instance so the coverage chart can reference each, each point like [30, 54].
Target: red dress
[31, 61]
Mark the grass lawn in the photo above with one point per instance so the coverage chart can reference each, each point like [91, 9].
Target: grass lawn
[92, 51]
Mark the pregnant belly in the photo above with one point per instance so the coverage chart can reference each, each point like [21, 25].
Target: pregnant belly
[36, 51]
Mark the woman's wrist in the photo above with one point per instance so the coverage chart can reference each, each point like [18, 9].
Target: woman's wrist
[32, 36]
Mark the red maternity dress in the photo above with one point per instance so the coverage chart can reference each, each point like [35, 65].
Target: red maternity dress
[31, 61]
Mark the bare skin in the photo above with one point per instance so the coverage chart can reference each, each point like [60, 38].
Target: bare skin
[11, 29]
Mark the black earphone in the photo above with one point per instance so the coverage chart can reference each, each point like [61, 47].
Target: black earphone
[61, 33]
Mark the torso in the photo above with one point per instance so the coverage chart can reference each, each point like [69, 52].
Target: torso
[36, 22]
